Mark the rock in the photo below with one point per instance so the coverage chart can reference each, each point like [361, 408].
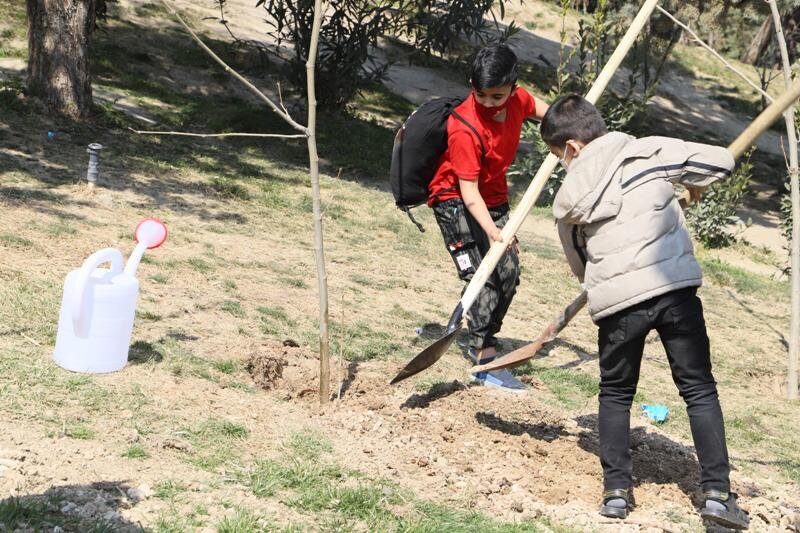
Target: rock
[177, 444]
[142, 492]
[58, 529]
[132, 436]
[376, 404]
[68, 507]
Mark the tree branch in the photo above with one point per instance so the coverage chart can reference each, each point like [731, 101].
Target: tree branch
[741, 74]
[184, 134]
[228, 69]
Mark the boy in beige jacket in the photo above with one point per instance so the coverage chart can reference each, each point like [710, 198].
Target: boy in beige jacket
[626, 239]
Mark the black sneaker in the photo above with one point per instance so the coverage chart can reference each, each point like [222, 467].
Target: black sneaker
[613, 511]
[731, 516]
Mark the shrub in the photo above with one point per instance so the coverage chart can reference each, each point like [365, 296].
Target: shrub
[710, 220]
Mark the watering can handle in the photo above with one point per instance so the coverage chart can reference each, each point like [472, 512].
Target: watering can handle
[92, 262]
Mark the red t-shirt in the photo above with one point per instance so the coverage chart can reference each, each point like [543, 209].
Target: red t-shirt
[462, 159]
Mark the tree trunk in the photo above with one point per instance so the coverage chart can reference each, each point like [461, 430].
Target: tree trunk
[319, 251]
[759, 44]
[59, 32]
[791, 132]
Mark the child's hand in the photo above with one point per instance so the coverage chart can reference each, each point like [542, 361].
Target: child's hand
[495, 235]
[696, 193]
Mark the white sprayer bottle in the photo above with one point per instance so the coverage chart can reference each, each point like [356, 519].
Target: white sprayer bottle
[97, 310]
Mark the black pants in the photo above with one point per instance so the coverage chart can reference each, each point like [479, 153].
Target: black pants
[678, 318]
[467, 243]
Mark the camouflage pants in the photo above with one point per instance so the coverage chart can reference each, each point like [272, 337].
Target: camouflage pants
[467, 243]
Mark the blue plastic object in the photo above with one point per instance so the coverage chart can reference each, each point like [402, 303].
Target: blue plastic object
[656, 412]
[51, 134]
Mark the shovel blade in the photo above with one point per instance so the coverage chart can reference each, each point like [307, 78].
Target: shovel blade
[512, 359]
[428, 356]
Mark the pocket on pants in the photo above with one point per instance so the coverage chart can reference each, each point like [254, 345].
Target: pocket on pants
[613, 329]
[687, 316]
[458, 238]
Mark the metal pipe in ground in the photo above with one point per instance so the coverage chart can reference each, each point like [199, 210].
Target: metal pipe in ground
[94, 164]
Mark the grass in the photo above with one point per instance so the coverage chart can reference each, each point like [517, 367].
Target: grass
[743, 281]
[274, 320]
[255, 196]
[233, 307]
[136, 451]
[78, 430]
[199, 264]
[214, 442]
[227, 366]
[168, 489]
[243, 521]
[41, 513]
[161, 279]
[11, 239]
[572, 388]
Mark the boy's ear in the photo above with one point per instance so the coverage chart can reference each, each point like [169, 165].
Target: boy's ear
[576, 146]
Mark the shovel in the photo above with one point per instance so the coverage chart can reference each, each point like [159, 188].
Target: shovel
[435, 351]
[737, 148]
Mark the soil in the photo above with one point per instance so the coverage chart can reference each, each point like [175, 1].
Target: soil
[469, 444]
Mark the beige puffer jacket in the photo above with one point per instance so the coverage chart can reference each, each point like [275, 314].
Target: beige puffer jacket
[620, 223]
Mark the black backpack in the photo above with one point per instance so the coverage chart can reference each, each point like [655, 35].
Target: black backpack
[418, 148]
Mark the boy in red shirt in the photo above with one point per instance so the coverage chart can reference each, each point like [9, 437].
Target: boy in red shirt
[469, 194]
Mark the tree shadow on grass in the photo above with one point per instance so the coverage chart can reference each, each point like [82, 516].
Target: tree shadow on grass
[141, 352]
[73, 508]
[361, 147]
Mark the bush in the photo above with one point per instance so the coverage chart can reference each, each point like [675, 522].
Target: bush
[710, 220]
[350, 32]
[349, 29]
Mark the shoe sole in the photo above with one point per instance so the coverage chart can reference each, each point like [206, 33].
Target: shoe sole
[723, 519]
[613, 512]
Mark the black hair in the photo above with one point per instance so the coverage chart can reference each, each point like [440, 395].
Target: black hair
[494, 66]
[572, 117]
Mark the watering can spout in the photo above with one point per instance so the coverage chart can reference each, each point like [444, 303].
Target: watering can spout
[150, 233]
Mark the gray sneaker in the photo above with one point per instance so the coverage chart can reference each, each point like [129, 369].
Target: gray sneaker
[499, 379]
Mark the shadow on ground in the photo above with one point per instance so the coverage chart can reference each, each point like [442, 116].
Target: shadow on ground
[72, 508]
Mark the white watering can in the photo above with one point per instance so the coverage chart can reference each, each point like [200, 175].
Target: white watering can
[97, 310]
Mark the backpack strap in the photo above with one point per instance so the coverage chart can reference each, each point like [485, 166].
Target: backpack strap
[414, 220]
[475, 131]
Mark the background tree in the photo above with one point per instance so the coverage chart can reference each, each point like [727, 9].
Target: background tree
[59, 34]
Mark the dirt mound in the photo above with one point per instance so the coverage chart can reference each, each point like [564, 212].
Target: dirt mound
[266, 368]
[288, 370]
